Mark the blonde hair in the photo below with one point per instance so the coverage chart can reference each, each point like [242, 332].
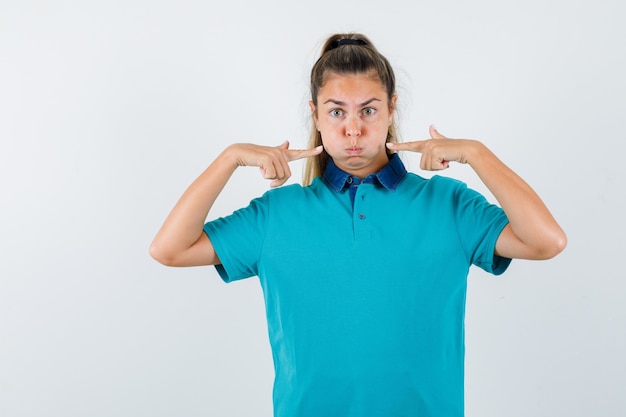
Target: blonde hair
[346, 54]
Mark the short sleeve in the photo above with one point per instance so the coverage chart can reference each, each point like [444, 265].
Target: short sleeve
[479, 225]
[238, 240]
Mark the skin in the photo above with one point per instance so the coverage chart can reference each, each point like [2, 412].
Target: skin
[353, 116]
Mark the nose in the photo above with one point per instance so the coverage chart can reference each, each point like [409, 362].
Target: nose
[353, 127]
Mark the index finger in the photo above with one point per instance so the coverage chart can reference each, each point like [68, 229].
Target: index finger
[415, 146]
[295, 154]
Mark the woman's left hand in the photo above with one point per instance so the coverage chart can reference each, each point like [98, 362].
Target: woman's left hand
[439, 151]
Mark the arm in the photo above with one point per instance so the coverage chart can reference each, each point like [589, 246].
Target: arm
[532, 232]
[181, 240]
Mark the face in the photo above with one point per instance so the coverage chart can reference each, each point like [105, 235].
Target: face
[353, 116]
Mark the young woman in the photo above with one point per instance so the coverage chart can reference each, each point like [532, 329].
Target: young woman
[363, 268]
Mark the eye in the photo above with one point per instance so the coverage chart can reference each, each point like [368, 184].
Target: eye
[369, 111]
[336, 112]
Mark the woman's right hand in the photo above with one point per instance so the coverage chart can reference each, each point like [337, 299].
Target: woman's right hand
[273, 162]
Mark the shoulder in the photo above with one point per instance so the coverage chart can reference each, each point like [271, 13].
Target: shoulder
[291, 190]
[293, 193]
[443, 193]
[437, 184]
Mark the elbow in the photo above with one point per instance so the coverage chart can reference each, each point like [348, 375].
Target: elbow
[560, 244]
[161, 255]
[553, 246]
[170, 252]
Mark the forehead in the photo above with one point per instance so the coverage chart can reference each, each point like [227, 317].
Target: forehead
[352, 87]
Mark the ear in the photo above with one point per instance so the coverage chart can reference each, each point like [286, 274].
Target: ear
[392, 108]
[313, 113]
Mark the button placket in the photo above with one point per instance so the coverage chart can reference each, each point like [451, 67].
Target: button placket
[361, 211]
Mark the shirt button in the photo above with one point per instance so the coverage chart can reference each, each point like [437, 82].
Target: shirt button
[349, 180]
[361, 216]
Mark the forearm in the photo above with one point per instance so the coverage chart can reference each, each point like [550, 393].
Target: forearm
[536, 234]
[183, 227]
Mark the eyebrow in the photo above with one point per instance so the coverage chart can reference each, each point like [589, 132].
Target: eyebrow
[341, 103]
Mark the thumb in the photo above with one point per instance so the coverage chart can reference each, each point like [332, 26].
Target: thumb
[434, 133]
[284, 145]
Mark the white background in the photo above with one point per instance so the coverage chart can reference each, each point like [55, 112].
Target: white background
[108, 110]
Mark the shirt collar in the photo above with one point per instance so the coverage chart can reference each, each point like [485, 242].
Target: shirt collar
[389, 176]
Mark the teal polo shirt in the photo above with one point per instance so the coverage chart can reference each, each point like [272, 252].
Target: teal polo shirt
[364, 288]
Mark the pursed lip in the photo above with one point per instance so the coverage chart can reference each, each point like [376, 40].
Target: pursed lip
[354, 151]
